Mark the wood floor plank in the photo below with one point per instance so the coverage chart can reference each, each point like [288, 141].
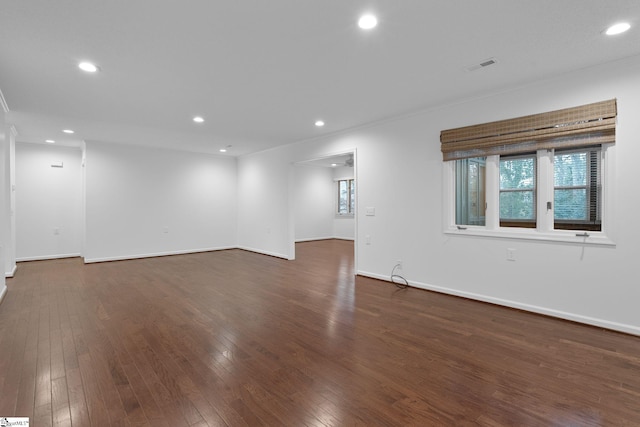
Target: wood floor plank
[77, 399]
[235, 338]
[13, 355]
[27, 388]
[69, 352]
[97, 410]
[43, 365]
[61, 413]
[42, 415]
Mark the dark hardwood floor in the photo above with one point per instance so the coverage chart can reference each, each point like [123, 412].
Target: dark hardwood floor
[241, 339]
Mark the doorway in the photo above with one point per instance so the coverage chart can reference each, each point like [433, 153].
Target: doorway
[324, 199]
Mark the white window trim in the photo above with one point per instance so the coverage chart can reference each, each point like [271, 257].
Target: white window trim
[544, 230]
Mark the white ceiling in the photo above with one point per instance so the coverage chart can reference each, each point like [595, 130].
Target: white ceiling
[262, 72]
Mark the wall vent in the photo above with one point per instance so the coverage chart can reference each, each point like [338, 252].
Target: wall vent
[484, 64]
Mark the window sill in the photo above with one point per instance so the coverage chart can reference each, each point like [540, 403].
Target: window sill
[347, 215]
[594, 238]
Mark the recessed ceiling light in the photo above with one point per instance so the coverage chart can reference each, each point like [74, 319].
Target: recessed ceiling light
[88, 67]
[68, 131]
[617, 28]
[334, 165]
[367, 22]
[223, 150]
[50, 141]
[319, 123]
[198, 119]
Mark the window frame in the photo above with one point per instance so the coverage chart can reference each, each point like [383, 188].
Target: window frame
[544, 230]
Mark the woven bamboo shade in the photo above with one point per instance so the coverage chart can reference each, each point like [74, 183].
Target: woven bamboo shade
[591, 124]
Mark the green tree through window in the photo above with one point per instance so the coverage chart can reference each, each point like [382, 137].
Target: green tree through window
[518, 190]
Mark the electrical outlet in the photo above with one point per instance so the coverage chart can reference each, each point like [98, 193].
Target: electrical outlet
[511, 254]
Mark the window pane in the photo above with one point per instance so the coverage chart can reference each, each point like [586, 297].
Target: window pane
[570, 169]
[352, 196]
[343, 197]
[577, 189]
[517, 190]
[571, 204]
[517, 173]
[470, 191]
[518, 205]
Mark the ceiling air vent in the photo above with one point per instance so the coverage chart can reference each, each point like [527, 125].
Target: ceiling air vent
[484, 64]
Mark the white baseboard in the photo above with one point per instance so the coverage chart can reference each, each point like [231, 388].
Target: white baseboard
[313, 239]
[259, 251]
[155, 254]
[10, 274]
[45, 257]
[606, 324]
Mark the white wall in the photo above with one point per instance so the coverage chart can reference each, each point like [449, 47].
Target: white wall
[4, 189]
[144, 202]
[344, 226]
[265, 203]
[49, 220]
[7, 205]
[400, 174]
[313, 202]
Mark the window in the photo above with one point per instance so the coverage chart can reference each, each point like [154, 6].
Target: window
[470, 191]
[577, 189]
[346, 197]
[547, 176]
[518, 191]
